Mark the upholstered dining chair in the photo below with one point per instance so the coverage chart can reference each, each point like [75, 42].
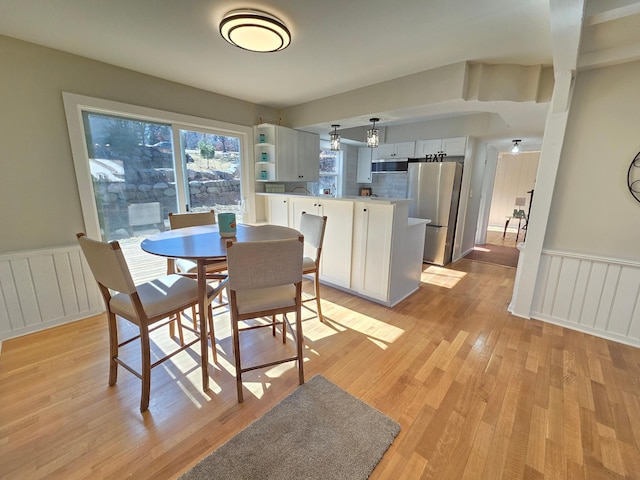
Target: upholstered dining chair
[184, 266]
[265, 279]
[312, 228]
[144, 305]
[184, 220]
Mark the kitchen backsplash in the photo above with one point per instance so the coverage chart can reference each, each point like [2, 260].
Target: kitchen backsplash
[390, 185]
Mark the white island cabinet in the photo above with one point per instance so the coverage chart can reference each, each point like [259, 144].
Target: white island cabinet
[336, 267]
[371, 247]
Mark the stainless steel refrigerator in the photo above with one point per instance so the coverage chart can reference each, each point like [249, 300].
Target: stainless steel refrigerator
[434, 188]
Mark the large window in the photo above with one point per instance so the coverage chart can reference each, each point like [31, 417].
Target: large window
[133, 166]
[136, 165]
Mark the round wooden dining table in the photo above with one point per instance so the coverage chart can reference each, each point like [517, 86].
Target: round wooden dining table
[204, 245]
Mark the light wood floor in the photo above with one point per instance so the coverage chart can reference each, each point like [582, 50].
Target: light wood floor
[478, 393]
[509, 240]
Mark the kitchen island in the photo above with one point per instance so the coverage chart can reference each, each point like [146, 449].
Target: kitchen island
[371, 246]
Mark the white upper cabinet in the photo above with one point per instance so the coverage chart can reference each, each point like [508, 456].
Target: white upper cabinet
[366, 155]
[451, 146]
[428, 147]
[306, 158]
[454, 147]
[397, 150]
[286, 155]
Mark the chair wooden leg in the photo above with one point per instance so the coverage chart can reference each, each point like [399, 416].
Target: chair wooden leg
[212, 335]
[273, 325]
[113, 349]
[146, 367]
[220, 301]
[236, 356]
[316, 286]
[299, 343]
[193, 317]
[180, 331]
[284, 327]
[172, 328]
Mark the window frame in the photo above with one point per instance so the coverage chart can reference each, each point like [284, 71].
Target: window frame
[339, 176]
[75, 104]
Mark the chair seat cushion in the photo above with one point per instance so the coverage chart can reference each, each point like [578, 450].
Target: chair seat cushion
[261, 299]
[308, 265]
[188, 266]
[159, 296]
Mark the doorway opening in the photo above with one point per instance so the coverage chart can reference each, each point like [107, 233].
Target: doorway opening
[508, 216]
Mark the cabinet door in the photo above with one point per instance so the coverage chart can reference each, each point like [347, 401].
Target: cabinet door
[299, 204]
[397, 150]
[428, 147]
[405, 149]
[372, 249]
[308, 153]
[278, 210]
[386, 150]
[286, 155]
[365, 157]
[454, 146]
[335, 262]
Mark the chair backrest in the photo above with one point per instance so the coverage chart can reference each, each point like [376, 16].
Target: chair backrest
[313, 227]
[107, 264]
[184, 220]
[264, 264]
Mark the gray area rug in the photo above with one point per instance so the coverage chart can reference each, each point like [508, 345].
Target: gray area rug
[318, 432]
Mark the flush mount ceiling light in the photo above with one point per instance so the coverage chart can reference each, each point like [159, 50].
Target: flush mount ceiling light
[516, 147]
[255, 30]
[335, 138]
[373, 134]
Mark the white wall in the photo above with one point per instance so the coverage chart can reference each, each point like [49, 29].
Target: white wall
[588, 277]
[593, 212]
[34, 143]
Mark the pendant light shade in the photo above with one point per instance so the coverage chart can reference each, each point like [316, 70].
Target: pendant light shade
[516, 147]
[255, 30]
[335, 138]
[373, 134]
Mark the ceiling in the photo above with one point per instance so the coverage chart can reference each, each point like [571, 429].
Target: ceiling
[337, 45]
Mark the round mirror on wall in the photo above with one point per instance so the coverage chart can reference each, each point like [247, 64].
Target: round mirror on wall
[633, 177]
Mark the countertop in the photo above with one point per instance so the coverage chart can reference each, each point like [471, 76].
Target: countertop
[418, 221]
[352, 198]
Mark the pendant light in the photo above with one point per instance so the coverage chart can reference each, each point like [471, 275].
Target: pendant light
[255, 31]
[335, 138]
[516, 147]
[373, 134]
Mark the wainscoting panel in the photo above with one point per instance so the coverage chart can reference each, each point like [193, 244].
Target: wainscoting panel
[596, 295]
[43, 288]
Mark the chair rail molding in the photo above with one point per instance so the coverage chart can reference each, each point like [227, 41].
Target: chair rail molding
[40, 289]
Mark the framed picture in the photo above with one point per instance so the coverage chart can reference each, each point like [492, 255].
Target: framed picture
[365, 191]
